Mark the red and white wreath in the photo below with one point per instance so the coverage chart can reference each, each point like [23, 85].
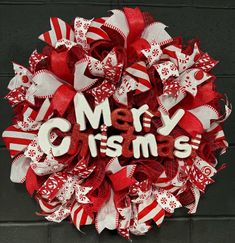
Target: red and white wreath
[116, 123]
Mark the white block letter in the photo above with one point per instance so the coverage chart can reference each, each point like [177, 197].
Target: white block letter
[44, 136]
[82, 109]
[145, 142]
[183, 149]
[92, 143]
[169, 123]
[114, 148]
[136, 113]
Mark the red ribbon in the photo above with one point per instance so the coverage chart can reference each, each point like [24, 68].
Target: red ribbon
[120, 180]
[59, 65]
[62, 99]
[136, 23]
[191, 102]
[191, 124]
[31, 182]
[136, 47]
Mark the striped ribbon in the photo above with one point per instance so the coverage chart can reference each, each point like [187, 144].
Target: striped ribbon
[79, 216]
[59, 30]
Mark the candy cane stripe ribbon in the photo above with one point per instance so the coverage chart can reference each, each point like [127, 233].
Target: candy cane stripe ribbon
[17, 140]
[150, 209]
[139, 71]
[95, 32]
[47, 207]
[79, 216]
[59, 30]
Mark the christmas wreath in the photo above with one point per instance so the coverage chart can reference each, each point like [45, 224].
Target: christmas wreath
[116, 123]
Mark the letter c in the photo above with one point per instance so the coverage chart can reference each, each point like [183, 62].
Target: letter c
[44, 136]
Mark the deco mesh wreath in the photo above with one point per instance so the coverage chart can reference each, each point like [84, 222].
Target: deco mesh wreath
[116, 123]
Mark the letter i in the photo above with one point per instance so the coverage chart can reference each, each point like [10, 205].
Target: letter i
[103, 142]
[147, 118]
[195, 142]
